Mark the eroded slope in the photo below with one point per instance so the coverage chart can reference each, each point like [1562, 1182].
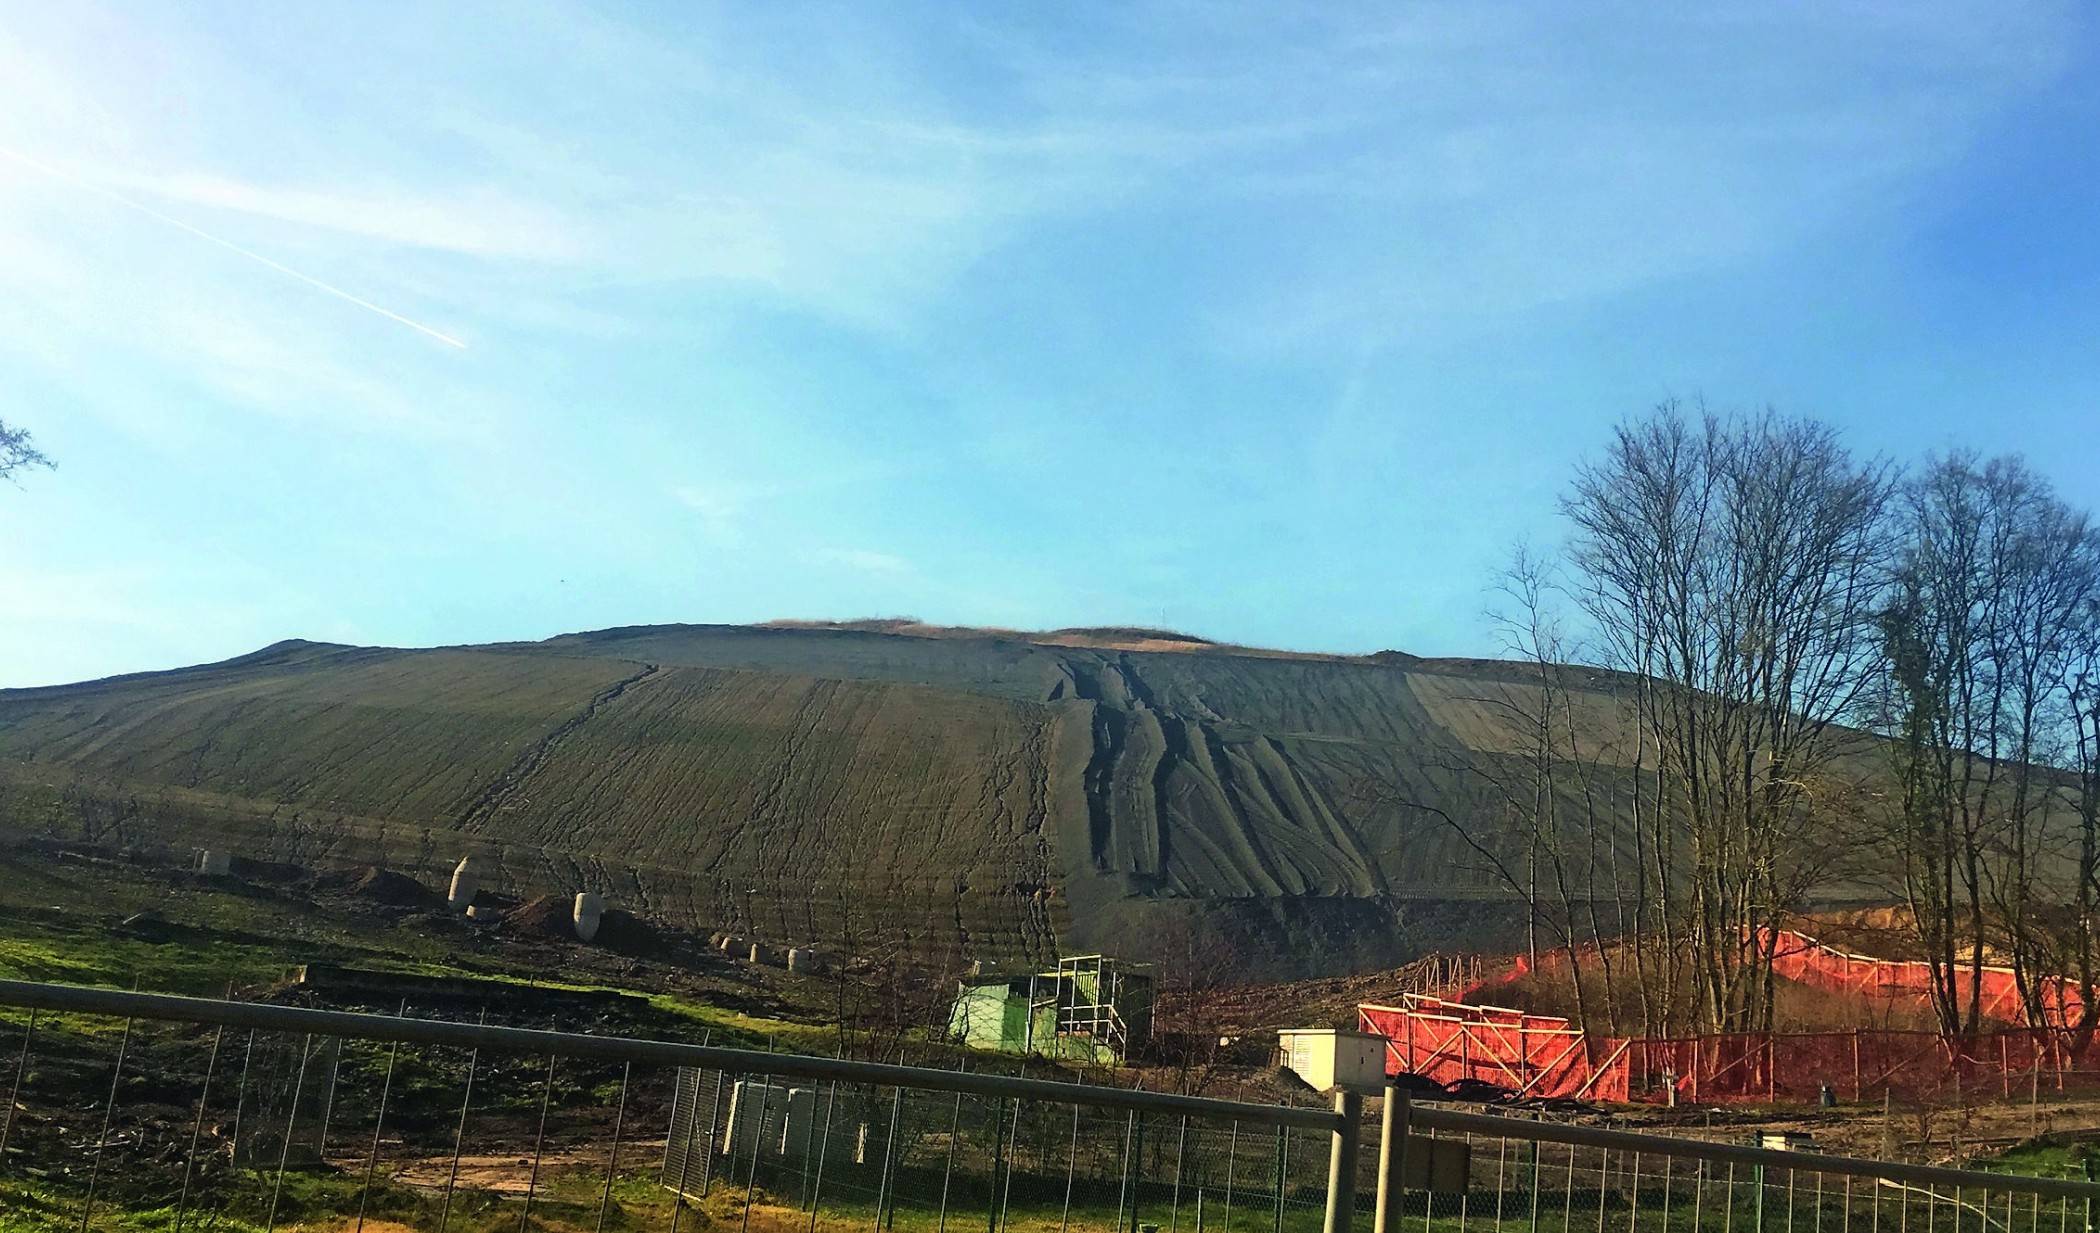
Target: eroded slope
[987, 796]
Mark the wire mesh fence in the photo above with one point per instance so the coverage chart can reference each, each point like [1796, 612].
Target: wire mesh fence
[1516, 1181]
[139, 1111]
[838, 1154]
[118, 1122]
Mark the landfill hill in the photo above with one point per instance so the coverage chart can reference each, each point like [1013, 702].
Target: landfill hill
[969, 793]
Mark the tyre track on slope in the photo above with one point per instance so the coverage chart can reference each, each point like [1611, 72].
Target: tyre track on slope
[512, 778]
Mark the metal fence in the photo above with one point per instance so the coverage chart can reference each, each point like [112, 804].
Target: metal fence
[145, 1111]
[852, 1153]
[1536, 1175]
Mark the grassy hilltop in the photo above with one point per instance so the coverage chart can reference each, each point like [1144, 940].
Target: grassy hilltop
[986, 793]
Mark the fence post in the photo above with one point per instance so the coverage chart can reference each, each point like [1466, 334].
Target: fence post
[1283, 1156]
[2090, 1170]
[1392, 1159]
[1341, 1162]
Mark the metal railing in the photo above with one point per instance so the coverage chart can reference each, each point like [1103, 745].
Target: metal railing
[172, 1113]
[271, 1114]
[1504, 1171]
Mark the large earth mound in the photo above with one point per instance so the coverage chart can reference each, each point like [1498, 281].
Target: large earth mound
[980, 794]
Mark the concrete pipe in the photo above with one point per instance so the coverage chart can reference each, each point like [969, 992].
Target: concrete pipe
[466, 883]
[590, 908]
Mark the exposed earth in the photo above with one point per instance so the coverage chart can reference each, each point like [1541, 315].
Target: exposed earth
[973, 794]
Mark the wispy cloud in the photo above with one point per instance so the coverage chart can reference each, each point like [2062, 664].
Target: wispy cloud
[730, 275]
[328, 288]
[1430, 167]
[473, 220]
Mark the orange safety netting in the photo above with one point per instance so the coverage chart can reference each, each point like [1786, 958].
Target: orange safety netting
[1545, 1056]
[1532, 1055]
[1794, 1067]
[1802, 958]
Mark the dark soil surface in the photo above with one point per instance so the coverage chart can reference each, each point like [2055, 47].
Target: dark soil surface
[383, 886]
[972, 795]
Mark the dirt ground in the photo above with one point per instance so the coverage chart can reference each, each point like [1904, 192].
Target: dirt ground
[112, 923]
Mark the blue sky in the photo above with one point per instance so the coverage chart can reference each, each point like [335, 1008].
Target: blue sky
[1279, 324]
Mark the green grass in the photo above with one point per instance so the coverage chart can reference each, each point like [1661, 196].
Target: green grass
[311, 1200]
[736, 1028]
[57, 924]
[921, 1200]
[85, 958]
[2043, 1158]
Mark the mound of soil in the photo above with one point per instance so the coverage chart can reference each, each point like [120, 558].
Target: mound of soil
[549, 916]
[553, 916]
[253, 870]
[627, 933]
[388, 886]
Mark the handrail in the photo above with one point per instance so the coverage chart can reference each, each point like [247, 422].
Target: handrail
[1437, 1118]
[264, 1016]
[82, 999]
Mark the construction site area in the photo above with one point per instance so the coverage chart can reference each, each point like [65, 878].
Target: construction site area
[824, 897]
[1857, 1049]
[426, 1067]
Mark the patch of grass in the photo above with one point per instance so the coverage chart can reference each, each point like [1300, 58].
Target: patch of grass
[736, 1028]
[95, 957]
[2043, 1158]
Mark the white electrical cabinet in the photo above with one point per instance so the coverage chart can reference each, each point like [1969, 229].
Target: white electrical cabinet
[1330, 1058]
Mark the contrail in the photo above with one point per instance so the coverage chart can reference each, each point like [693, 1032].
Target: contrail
[229, 245]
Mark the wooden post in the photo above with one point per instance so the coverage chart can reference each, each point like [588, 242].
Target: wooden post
[2034, 1096]
[1857, 1094]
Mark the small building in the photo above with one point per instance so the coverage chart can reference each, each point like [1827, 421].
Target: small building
[1327, 1058]
[1089, 1007]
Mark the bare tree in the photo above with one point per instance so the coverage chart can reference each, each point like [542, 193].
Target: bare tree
[1986, 641]
[2082, 699]
[1541, 825]
[18, 453]
[1735, 567]
[1550, 799]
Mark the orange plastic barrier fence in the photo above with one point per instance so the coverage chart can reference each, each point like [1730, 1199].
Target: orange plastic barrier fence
[1532, 1055]
[1802, 958]
[1547, 1057]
